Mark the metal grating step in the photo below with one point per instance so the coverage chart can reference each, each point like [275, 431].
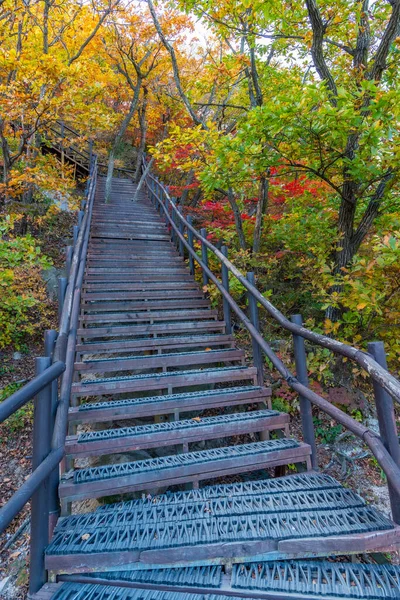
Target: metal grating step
[157, 361]
[145, 406]
[321, 579]
[148, 474]
[180, 460]
[174, 432]
[213, 538]
[157, 381]
[290, 579]
[151, 512]
[301, 482]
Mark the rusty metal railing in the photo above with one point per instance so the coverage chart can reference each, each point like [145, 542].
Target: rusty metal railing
[50, 405]
[385, 447]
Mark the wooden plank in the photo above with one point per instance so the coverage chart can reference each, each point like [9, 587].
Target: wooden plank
[148, 295]
[171, 438]
[182, 474]
[143, 345]
[143, 407]
[164, 381]
[151, 329]
[144, 305]
[158, 361]
[165, 315]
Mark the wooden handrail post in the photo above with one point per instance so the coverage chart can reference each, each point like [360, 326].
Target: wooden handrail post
[81, 214]
[75, 233]
[387, 422]
[68, 259]
[62, 288]
[181, 231]
[40, 499]
[172, 205]
[225, 283]
[50, 338]
[204, 255]
[253, 310]
[190, 242]
[305, 405]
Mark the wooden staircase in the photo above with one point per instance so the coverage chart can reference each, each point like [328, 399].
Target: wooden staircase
[164, 408]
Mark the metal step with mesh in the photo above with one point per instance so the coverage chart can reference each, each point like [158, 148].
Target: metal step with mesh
[96, 482]
[158, 361]
[146, 344]
[183, 432]
[278, 580]
[158, 381]
[302, 516]
[168, 404]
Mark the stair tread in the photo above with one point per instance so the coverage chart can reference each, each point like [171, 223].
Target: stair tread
[148, 405]
[155, 509]
[167, 532]
[174, 432]
[133, 362]
[118, 346]
[296, 579]
[166, 462]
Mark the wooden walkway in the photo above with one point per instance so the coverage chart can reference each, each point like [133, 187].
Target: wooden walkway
[165, 409]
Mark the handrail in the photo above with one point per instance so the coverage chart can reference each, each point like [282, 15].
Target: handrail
[363, 359]
[377, 373]
[62, 363]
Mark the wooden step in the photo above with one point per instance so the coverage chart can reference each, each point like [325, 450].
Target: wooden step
[147, 406]
[269, 580]
[183, 432]
[152, 329]
[164, 315]
[147, 295]
[156, 344]
[148, 287]
[158, 361]
[145, 305]
[138, 278]
[169, 533]
[160, 381]
[97, 482]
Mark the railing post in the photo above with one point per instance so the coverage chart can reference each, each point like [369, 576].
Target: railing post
[50, 338]
[62, 287]
[253, 309]
[387, 422]
[225, 283]
[68, 259]
[181, 231]
[40, 499]
[80, 218]
[190, 241]
[75, 233]
[305, 405]
[204, 255]
[173, 237]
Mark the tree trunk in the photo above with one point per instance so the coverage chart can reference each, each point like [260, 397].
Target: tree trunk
[261, 209]
[189, 181]
[143, 133]
[238, 219]
[118, 139]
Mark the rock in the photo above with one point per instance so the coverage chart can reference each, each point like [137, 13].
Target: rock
[50, 277]
[372, 424]
[17, 356]
[3, 583]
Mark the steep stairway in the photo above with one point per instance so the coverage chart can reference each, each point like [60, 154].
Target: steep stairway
[221, 500]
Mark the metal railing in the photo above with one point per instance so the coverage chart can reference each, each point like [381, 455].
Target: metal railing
[385, 447]
[51, 401]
